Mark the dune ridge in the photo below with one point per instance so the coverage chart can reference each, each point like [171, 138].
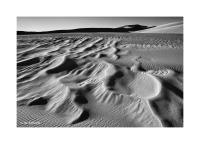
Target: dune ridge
[174, 27]
[89, 81]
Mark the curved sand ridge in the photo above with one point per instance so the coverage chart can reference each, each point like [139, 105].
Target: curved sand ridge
[79, 81]
[136, 83]
[162, 73]
[61, 94]
[112, 84]
[145, 85]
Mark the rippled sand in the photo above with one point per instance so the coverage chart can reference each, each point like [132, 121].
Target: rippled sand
[100, 80]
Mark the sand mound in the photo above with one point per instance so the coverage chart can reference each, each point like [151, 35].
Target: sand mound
[97, 80]
[145, 86]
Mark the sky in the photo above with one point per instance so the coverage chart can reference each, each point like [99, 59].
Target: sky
[64, 23]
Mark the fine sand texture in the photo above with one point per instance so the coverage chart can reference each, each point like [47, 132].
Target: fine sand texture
[100, 79]
[174, 27]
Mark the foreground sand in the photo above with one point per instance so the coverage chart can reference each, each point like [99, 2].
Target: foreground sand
[100, 80]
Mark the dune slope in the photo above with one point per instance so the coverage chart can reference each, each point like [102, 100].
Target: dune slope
[100, 80]
[175, 27]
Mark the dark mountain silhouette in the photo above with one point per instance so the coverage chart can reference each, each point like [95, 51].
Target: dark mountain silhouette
[126, 28]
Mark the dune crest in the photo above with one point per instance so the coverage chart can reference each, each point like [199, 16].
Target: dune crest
[175, 27]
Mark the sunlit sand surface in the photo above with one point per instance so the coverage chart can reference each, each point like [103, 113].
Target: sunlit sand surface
[100, 80]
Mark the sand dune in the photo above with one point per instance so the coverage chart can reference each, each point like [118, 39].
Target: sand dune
[99, 80]
[175, 27]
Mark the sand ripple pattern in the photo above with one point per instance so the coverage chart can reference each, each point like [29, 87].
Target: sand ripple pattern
[80, 80]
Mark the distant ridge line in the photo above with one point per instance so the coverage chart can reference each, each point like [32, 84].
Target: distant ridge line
[126, 28]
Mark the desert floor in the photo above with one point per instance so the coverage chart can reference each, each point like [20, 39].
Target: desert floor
[100, 80]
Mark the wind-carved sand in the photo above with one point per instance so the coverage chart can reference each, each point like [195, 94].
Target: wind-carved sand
[174, 27]
[100, 80]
